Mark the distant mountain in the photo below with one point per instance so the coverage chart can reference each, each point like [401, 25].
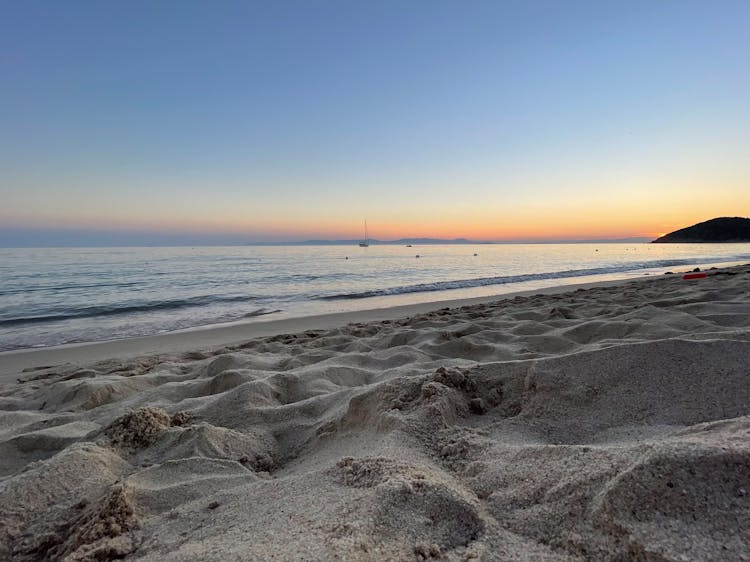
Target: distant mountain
[435, 241]
[724, 229]
[427, 241]
[388, 242]
[630, 240]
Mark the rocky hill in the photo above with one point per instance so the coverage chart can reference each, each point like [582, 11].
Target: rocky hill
[724, 229]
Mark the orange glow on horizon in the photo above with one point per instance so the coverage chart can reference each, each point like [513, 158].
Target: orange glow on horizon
[614, 216]
[523, 228]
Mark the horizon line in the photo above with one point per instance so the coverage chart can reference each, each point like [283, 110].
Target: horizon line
[311, 243]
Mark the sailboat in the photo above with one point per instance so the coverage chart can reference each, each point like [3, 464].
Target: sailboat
[366, 242]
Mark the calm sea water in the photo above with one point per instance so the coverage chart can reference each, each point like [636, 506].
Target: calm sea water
[55, 296]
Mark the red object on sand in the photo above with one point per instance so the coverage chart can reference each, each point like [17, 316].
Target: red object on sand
[695, 276]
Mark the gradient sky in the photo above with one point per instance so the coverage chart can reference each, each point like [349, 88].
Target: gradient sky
[288, 120]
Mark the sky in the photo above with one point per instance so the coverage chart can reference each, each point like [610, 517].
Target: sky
[248, 121]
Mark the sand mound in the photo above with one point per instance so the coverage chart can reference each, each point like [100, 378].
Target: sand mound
[100, 532]
[602, 424]
[36, 500]
[19, 450]
[253, 449]
[168, 485]
[138, 429]
[412, 504]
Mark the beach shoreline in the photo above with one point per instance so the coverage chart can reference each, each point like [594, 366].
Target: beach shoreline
[54, 300]
[207, 337]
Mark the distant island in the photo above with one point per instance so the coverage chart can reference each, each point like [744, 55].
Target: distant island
[723, 229]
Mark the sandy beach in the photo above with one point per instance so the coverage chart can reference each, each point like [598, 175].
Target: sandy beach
[607, 422]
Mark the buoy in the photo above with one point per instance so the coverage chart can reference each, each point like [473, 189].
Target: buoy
[695, 276]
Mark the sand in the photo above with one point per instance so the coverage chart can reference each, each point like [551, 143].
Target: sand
[603, 423]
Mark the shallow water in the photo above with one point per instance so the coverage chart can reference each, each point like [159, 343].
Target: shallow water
[51, 296]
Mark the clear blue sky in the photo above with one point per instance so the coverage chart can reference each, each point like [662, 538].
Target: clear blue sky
[288, 120]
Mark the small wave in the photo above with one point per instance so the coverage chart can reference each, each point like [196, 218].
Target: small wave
[503, 280]
[109, 310]
[300, 277]
[261, 312]
[66, 287]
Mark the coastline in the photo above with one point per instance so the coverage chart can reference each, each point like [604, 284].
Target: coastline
[202, 338]
[54, 300]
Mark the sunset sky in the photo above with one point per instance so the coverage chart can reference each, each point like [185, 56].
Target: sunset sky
[288, 120]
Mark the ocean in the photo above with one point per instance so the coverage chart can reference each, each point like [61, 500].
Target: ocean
[54, 296]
